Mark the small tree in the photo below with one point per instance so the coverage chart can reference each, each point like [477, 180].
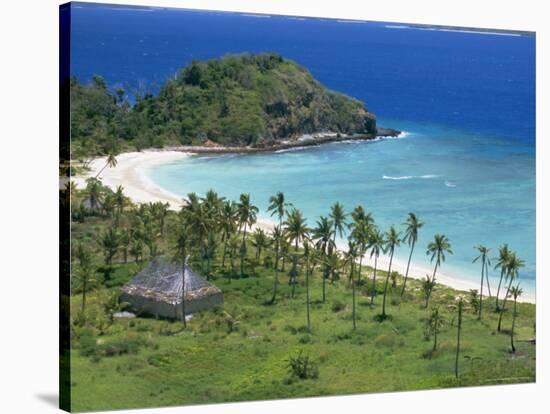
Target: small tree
[474, 300]
[434, 323]
[109, 242]
[427, 287]
[302, 367]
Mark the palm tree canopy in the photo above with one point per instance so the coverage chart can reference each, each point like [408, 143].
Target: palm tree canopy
[513, 266]
[338, 217]
[438, 248]
[483, 255]
[413, 224]
[516, 292]
[278, 205]
[323, 233]
[247, 211]
[295, 226]
[376, 242]
[392, 240]
[503, 257]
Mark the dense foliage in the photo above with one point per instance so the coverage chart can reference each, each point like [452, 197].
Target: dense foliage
[236, 100]
[299, 318]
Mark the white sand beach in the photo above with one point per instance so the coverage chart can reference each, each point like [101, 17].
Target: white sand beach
[131, 173]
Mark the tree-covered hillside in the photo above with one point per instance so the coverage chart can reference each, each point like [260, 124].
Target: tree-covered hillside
[236, 100]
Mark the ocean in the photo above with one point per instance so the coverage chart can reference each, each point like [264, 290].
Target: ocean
[465, 99]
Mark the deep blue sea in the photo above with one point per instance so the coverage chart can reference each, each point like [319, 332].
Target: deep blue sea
[465, 99]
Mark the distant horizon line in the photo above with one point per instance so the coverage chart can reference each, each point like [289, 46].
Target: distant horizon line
[434, 27]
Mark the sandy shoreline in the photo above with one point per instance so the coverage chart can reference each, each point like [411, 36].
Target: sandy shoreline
[131, 172]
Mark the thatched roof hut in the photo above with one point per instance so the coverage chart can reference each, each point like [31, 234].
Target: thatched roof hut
[157, 291]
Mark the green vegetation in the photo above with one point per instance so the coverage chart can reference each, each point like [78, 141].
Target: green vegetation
[319, 334]
[236, 100]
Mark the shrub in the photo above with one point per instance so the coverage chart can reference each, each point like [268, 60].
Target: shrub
[88, 344]
[304, 339]
[302, 366]
[385, 340]
[337, 306]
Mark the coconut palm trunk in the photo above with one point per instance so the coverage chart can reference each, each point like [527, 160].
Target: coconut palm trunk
[407, 271]
[183, 293]
[481, 292]
[504, 304]
[498, 289]
[353, 303]
[360, 266]
[458, 331]
[307, 297]
[386, 287]
[374, 281]
[513, 325]
[243, 250]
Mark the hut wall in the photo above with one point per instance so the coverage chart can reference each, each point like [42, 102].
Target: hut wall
[197, 305]
[143, 305]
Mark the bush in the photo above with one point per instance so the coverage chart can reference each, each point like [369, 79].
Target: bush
[304, 339]
[88, 344]
[301, 366]
[385, 341]
[337, 306]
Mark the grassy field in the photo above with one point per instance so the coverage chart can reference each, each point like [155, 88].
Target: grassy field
[241, 352]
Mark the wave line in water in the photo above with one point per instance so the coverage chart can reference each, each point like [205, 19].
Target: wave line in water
[409, 177]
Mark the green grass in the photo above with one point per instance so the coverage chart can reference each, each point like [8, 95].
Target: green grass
[165, 365]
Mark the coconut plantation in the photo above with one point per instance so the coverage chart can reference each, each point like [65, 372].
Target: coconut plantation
[283, 312]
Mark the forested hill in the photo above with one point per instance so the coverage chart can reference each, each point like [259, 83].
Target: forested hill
[236, 100]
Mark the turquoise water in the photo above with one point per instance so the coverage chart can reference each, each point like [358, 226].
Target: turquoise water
[474, 189]
[467, 99]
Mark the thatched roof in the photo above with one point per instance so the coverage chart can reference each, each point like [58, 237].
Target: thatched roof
[161, 280]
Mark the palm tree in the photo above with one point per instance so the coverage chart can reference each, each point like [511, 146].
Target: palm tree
[392, 241]
[247, 213]
[351, 256]
[109, 242]
[259, 241]
[95, 193]
[277, 236]
[413, 224]
[233, 247]
[485, 261]
[159, 210]
[434, 324]
[136, 249]
[338, 217]
[182, 242]
[125, 239]
[458, 331]
[515, 292]
[85, 272]
[322, 234]
[310, 263]
[360, 231]
[111, 163]
[278, 205]
[210, 248]
[503, 257]
[278, 239]
[228, 218]
[436, 250]
[120, 202]
[295, 227]
[376, 246]
[512, 273]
